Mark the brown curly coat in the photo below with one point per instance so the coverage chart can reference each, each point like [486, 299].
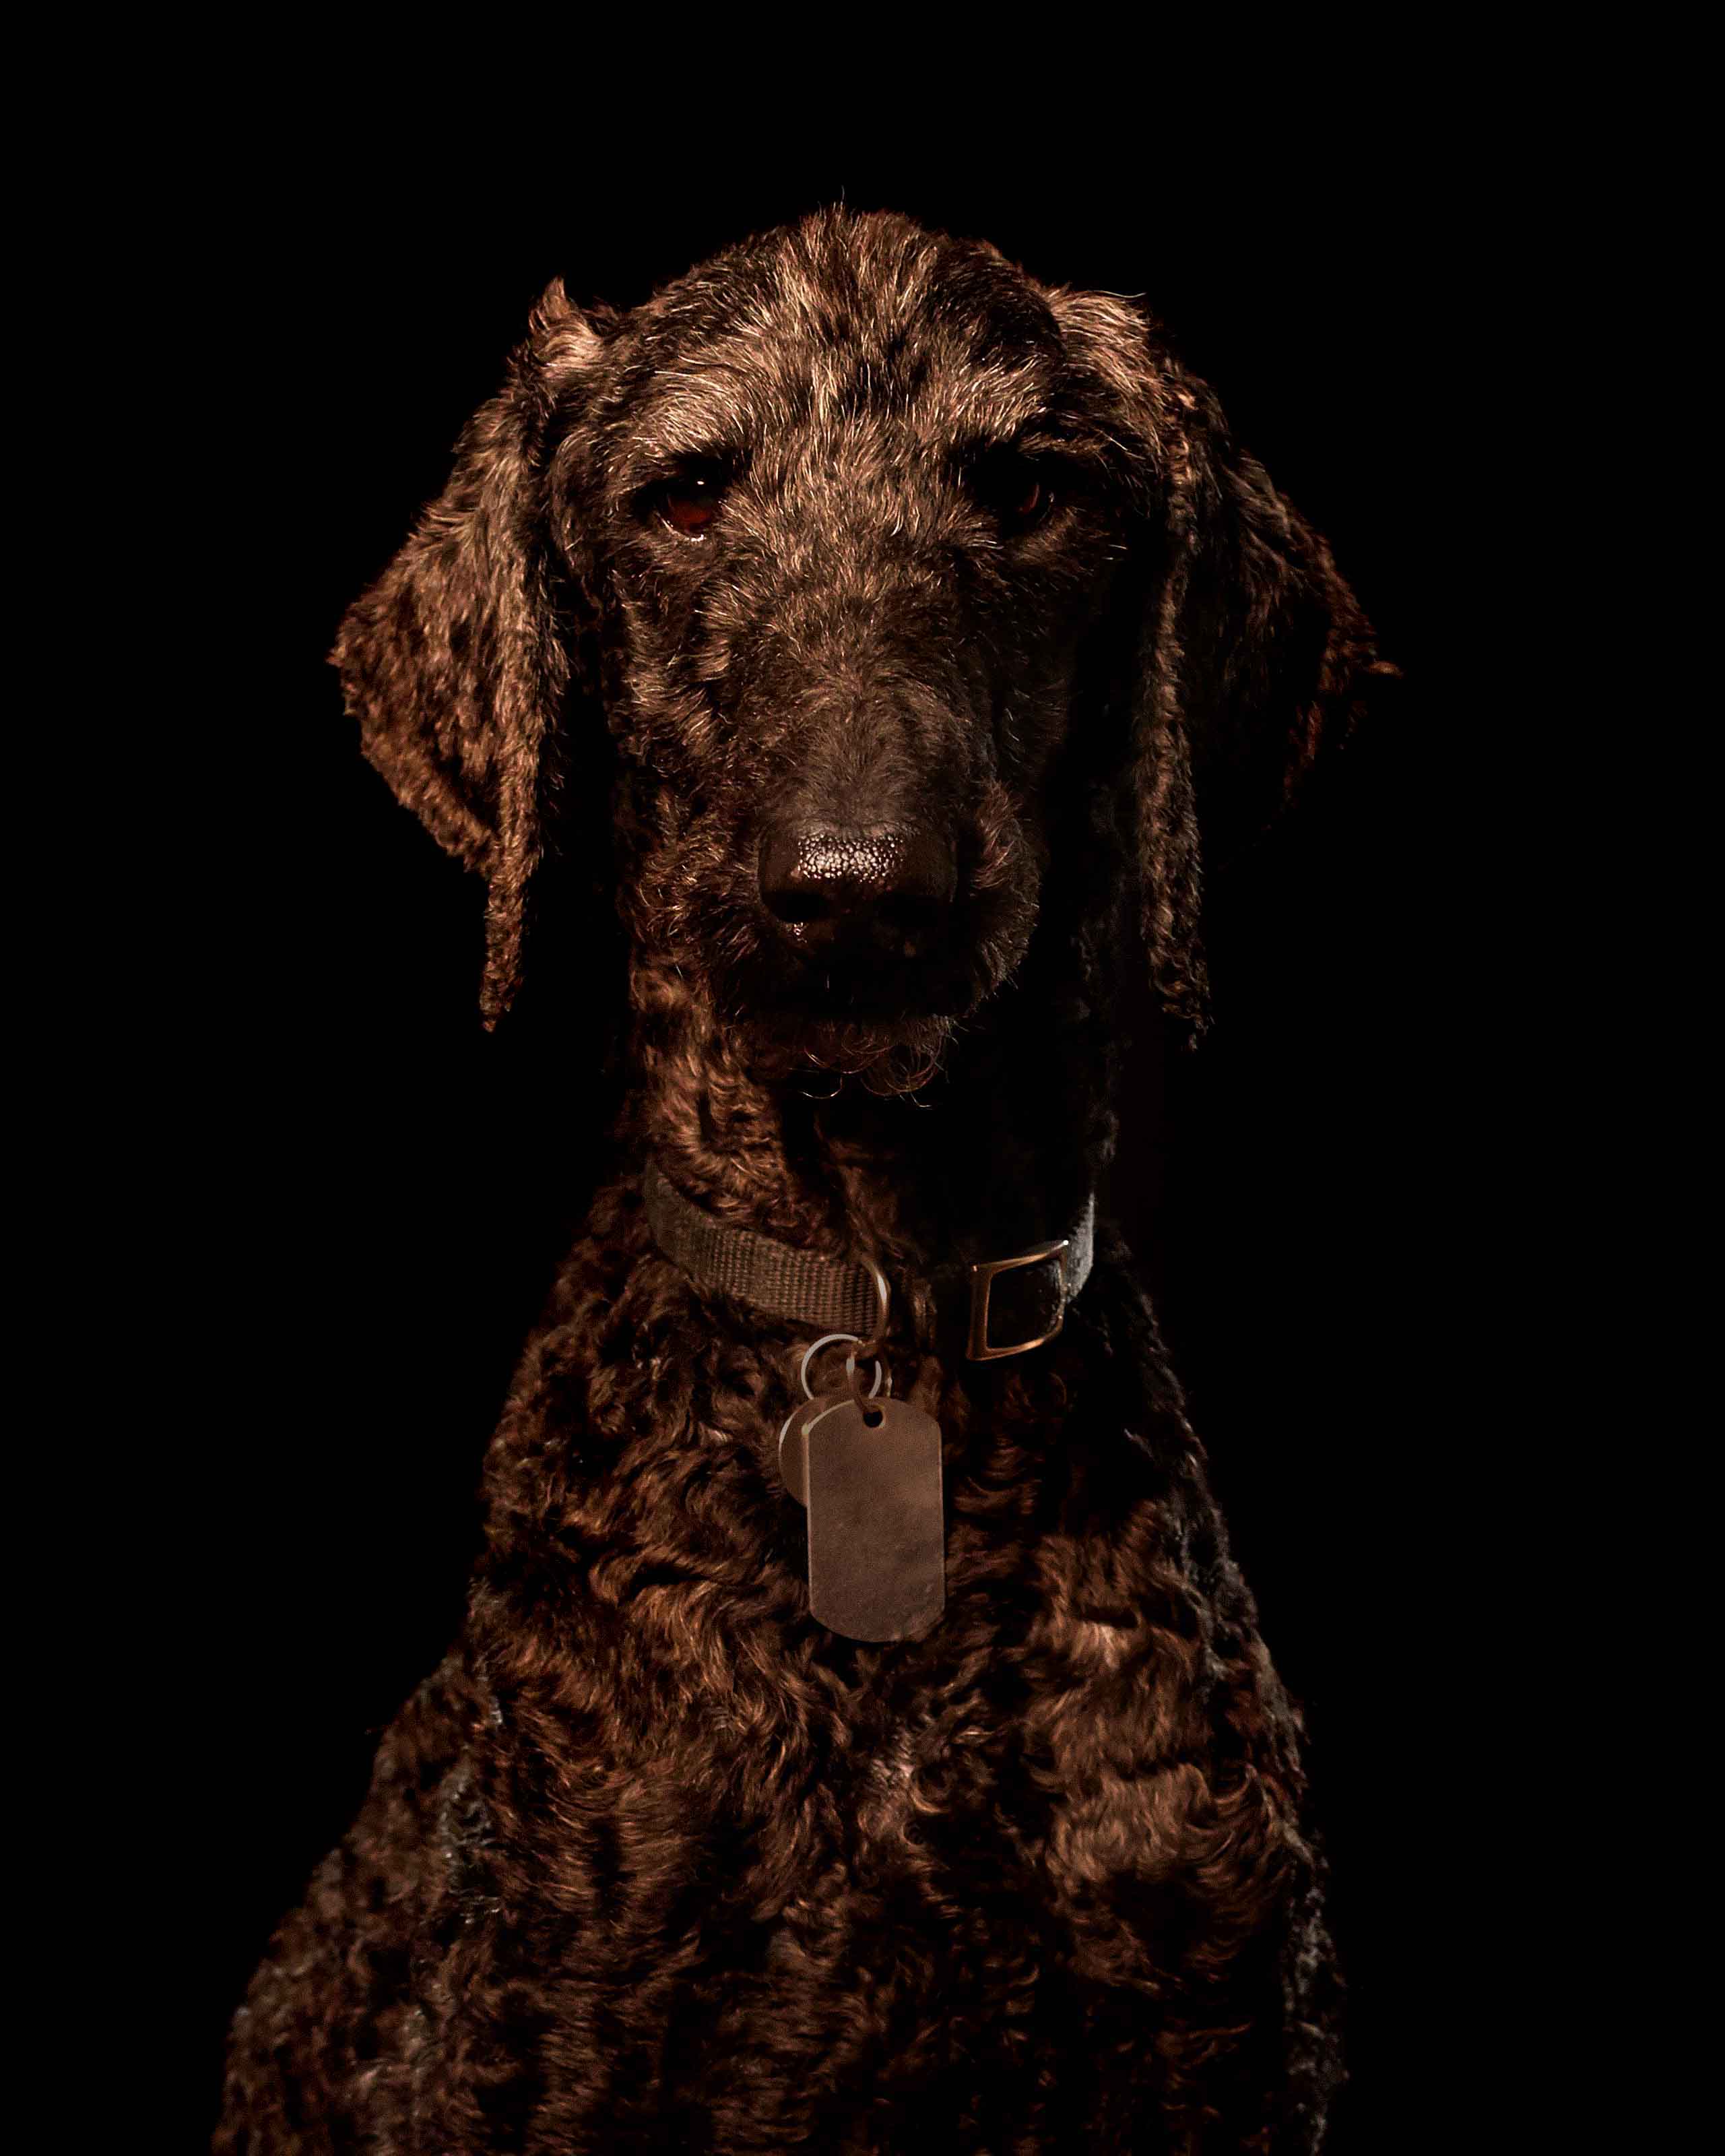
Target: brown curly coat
[653, 1861]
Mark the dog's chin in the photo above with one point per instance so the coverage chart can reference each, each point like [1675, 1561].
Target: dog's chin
[886, 1055]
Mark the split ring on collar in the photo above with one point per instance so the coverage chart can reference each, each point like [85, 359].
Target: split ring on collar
[827, 1340]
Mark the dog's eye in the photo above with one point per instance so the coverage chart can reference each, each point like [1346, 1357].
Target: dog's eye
[1017, 493]
[689, 502]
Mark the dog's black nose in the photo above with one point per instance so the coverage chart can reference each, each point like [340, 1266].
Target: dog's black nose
[889, 885]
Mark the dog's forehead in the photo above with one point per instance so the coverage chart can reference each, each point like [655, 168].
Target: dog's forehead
[845, 323]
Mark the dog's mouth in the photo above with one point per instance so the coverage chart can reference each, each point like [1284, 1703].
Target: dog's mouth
[843, 1003]
[917, 976]
[905, 959]
[884, 1003]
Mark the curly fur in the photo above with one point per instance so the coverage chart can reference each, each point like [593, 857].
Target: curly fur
[654, 1862]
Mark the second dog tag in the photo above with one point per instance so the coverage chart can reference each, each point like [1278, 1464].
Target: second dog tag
[793, 1448]
[877, 1520]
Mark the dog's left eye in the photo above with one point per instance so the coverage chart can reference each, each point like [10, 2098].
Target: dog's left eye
[1019, 494]
[688, 503]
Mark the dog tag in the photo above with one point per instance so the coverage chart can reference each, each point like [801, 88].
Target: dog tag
[793, 1449]
[876, 1521]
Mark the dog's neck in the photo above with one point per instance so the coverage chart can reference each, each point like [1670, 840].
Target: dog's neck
[1000, 1147]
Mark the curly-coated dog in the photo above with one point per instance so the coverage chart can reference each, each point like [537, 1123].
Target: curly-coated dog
[816, 1771]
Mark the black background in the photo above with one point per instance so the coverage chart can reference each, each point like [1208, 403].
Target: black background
[372, 1193]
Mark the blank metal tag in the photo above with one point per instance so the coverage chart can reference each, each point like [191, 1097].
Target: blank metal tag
[877, 1522]
[793, 1448]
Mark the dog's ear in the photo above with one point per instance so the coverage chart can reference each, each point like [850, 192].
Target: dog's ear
[1255, 657]
[456, 662]
[1252, 655]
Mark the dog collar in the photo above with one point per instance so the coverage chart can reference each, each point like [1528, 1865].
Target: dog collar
[1000, 1306]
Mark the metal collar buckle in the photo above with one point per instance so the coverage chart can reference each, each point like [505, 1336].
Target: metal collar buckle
[983, 1274]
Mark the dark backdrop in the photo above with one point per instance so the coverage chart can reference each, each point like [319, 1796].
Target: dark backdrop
[372, 1192]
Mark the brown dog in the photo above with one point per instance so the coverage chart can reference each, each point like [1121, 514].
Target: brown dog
[859, 1775]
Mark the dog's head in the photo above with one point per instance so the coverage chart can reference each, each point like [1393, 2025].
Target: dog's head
[853, 540]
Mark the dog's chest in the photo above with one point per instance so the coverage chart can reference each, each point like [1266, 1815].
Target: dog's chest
[922, 1919]
[784, 1880]
[940, 1849]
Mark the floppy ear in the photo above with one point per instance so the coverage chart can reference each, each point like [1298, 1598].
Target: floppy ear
[456, 662]
[1254, 655]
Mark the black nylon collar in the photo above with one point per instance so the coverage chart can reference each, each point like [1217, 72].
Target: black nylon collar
[967, 1299]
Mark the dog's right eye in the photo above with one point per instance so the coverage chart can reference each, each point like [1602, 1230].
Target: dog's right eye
[688, 503]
